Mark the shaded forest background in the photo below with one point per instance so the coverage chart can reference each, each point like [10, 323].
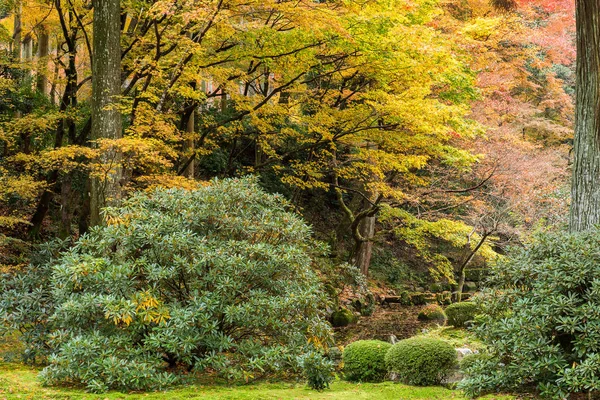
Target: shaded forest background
[418, 138]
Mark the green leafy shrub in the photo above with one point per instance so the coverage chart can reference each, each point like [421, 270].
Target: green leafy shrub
[364, 361]
[343, 317]
[221, 278]
[470, 360]
[460, 313]
[26, 302]
[318, 370]
[539, 319]
[421, 361]
[432, 312]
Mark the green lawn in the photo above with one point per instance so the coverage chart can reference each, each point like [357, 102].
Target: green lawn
[20, 382]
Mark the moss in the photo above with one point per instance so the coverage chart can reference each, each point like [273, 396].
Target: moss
[460, 313]
[342, 317]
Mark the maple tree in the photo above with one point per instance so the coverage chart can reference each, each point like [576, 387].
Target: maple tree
[379, 109]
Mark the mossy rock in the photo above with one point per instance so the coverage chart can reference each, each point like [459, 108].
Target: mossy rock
[470, 287]
[343, 317]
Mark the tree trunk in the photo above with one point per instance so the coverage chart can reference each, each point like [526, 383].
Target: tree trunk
[16, 49]
[463, 267]
[42, 78]
[585, 189]
[188, 147]
[365, 249]
[106, 118]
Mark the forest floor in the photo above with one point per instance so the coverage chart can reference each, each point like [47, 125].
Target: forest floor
[20, 382]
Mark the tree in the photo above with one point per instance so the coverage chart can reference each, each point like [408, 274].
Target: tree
[585, 189]
[106, 117]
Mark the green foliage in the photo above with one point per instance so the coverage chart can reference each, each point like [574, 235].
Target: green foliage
[318, 370]
[460, 313]
[540, 319]
[421, 361]
[26, 302]
[221, 277]
[364, 361]
[343, 317]
[432, 312]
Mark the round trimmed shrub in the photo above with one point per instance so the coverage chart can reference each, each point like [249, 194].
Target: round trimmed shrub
[421, 361]
[364, 361]
[460, 313]
[343, 317]
[432, 312]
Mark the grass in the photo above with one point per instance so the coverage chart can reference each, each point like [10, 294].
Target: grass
[20, 382]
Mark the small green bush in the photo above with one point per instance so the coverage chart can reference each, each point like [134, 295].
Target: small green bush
[318, 370]
[460, 313]
[432, 312]
[364, 361]
[343, 317]
[421, 361]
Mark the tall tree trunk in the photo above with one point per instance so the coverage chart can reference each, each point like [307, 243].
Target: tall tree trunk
[16, 49]
[585, 189]
[188, 146]
[365, 249]
[463, 267]
[106, 118]
[42, 74]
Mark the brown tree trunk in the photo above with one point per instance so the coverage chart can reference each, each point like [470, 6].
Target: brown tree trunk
[16, 44]
[365, 249]
[43, 44]
[585, 189]
[106, 118]
[463, 267]
[189, 147]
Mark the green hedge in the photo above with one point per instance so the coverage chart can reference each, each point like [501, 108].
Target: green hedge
[432, 312]
[460, 313]
[364, 361]
[421, 361]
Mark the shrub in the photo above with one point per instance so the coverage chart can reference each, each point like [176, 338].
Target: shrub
[539, 319]
[343, 317]
[421, 361]
[221, 278]
[364, 361]
[460, 313]
[432, 312]
[26, 302]
[318, 370]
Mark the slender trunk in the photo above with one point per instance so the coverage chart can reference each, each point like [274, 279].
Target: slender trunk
[463, 267]
[585, 189]
[106, 118]
[42, 78]
[65, 207]
[189, 146]
[365, 249]
[16, 49]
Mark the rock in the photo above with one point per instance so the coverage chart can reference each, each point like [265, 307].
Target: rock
[393, 339]
[462, 352]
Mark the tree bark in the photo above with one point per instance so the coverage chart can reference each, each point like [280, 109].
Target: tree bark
[16, 49]
[106, 118]
[365, 249]
[43, 44]
[189, 147]
[585, 188]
